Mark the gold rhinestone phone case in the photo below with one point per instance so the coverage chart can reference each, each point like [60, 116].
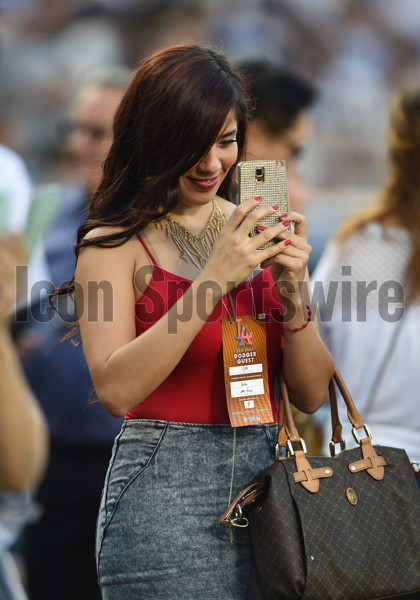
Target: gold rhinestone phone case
[268, 179]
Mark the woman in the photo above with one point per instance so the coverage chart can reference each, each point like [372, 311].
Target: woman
[372, 329]
[172, 256]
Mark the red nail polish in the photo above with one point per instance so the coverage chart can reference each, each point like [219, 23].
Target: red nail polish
[261, 227]
[258, 198]
[287, 242]
[275, 207]
[285, 223]
[283, 216]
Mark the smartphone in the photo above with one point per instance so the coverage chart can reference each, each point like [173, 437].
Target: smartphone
[268, 179]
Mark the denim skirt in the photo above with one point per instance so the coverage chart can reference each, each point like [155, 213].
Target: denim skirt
[166, 487]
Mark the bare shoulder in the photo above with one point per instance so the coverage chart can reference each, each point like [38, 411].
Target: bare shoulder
[99, 232]
[118, 263]
[120, 252]
[226, 206]
[119, 245]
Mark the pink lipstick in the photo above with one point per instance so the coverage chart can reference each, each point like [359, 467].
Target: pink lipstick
[204, 184]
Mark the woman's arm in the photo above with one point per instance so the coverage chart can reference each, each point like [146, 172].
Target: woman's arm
[307, 364]
[23, 432]
[125, 369]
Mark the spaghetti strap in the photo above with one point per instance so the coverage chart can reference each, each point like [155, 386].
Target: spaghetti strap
[152, 258]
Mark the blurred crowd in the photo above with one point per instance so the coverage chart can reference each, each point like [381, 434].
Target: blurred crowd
[356, 51]
[63, 68]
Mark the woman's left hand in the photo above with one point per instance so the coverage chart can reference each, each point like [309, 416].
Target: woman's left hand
[290, 265]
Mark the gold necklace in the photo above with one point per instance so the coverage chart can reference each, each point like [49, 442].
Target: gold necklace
[190, 245]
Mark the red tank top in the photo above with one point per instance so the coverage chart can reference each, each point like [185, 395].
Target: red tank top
[195, 390]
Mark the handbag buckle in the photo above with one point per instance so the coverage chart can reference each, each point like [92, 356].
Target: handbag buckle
[356, 435]
[333, 445]
[289, 448]
[278, 454]
[239, 520]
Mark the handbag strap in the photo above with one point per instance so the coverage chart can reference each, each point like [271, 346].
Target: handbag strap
[288, 435]
[286, 426]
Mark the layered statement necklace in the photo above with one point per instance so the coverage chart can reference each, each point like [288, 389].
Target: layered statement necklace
[196, 248]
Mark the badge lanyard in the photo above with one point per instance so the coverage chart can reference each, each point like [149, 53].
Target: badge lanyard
[246, 375]
[246, 368]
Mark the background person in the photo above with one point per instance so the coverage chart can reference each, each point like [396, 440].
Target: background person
[280, 121]
[178, 134]
[279, 126]
[23, 448]
[59, 548]
[23, 431]
[15, 191]
[374, 262]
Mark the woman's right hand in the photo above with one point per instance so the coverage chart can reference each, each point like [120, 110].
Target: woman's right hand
[235, 253]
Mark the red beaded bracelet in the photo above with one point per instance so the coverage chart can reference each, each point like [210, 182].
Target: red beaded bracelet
[292, 330]
[308, 320]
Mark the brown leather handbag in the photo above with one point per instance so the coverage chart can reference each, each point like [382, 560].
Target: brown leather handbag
[339, 528]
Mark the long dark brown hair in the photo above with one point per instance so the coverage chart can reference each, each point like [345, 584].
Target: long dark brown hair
[400, 195]
[169, 117]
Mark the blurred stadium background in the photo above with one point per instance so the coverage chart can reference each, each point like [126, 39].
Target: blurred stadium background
[357, 52]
